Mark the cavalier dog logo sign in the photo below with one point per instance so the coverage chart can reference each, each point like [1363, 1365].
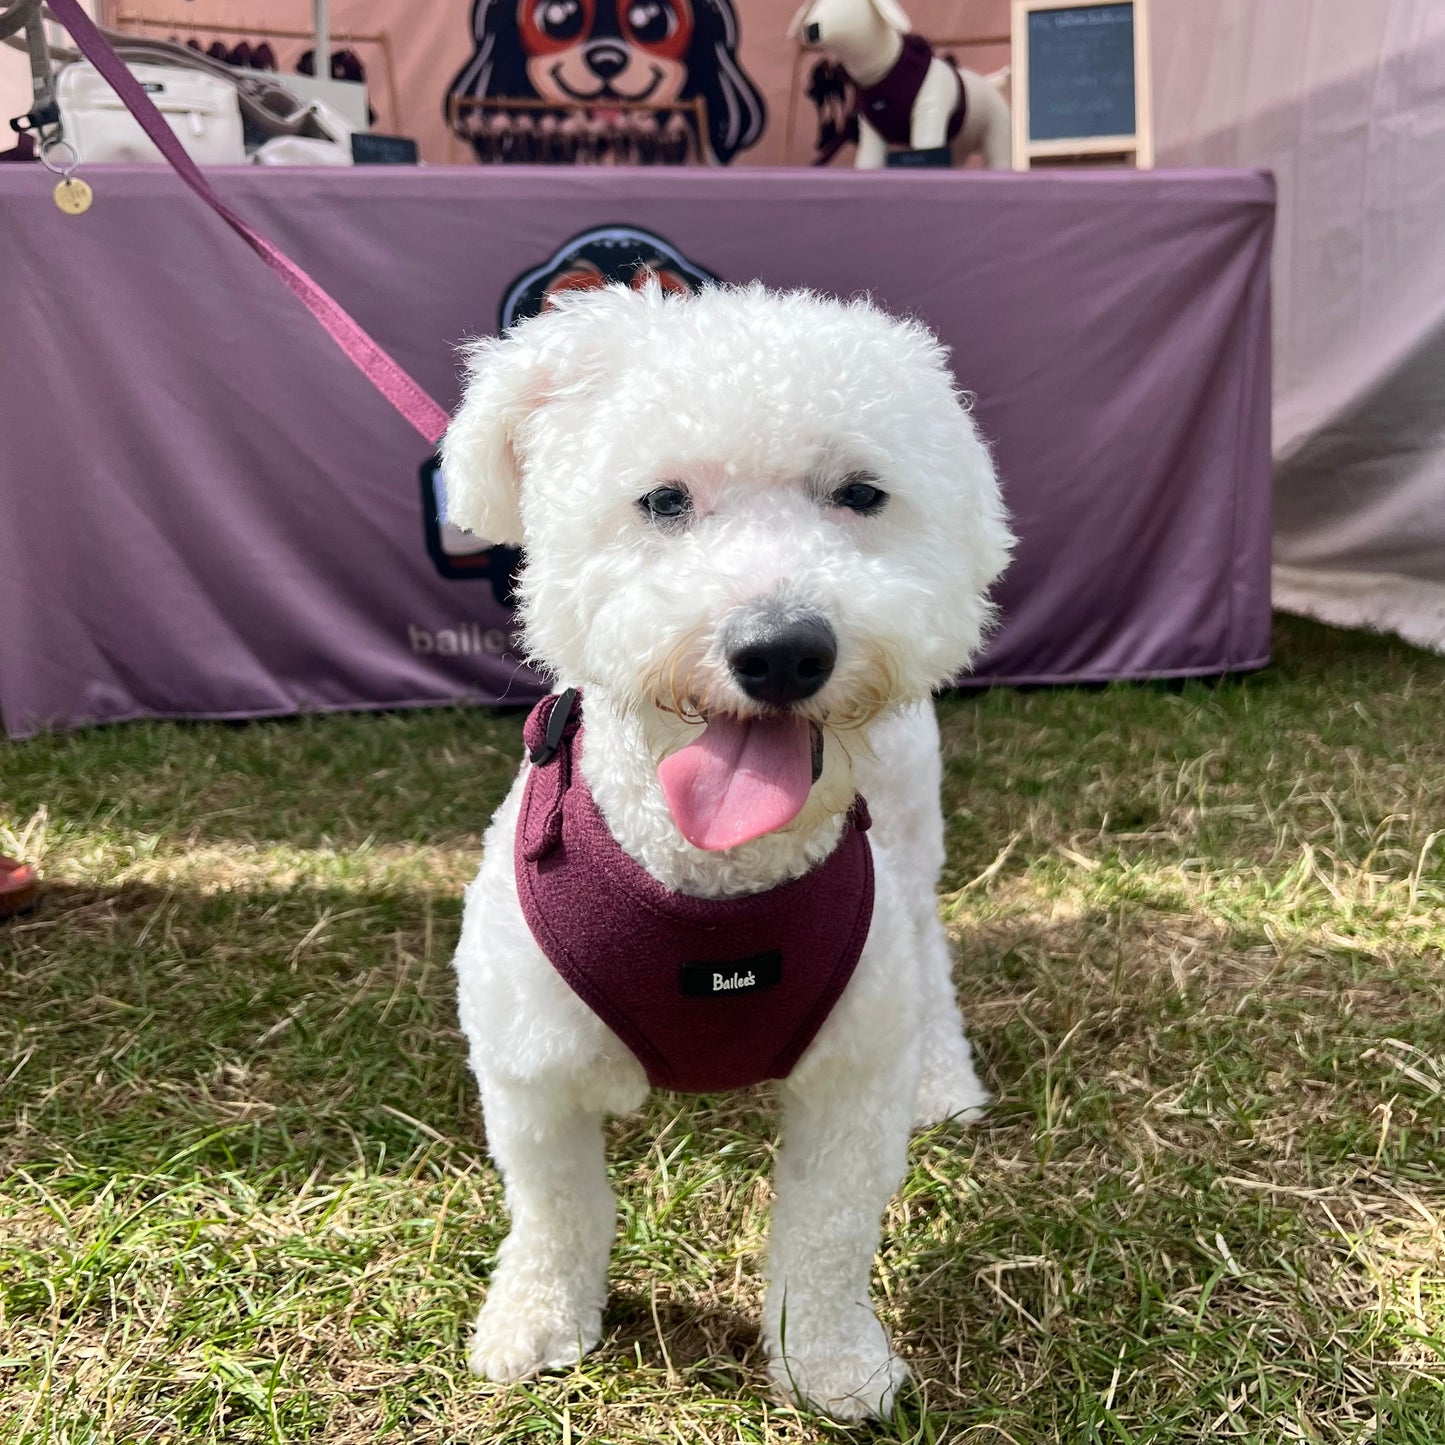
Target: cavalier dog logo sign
[561, 80]
[601, 257]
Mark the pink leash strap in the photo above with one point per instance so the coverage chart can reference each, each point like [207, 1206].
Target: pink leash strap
[379, 368]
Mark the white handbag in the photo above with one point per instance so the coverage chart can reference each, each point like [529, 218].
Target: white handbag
[201, 109]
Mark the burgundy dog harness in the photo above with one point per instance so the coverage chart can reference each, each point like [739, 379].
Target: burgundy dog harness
[888, 105]
[708, 993]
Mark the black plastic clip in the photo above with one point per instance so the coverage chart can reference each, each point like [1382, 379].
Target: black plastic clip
[557, 721]
[37, 119]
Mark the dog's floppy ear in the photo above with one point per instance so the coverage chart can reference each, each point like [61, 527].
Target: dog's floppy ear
[795, 25]
[481, 470]
[892, 14]
[510, 378]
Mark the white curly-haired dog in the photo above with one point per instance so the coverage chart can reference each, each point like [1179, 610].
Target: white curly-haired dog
[759, 532]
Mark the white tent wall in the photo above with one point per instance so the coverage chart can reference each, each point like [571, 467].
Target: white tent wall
[1345, 101]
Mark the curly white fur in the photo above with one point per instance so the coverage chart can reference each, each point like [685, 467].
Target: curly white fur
[758, 404]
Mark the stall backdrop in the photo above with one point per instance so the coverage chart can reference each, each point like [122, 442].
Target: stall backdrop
[1343, 99]
[272, 537]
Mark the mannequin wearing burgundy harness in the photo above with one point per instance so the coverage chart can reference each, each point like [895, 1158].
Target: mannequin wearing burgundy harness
[707, 993]
[911, 106]
[887, 105]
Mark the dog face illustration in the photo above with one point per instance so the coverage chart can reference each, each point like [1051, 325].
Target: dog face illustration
[593, 52]
[583, 50]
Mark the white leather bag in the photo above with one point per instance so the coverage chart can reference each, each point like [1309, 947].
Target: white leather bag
[201, 109]
[301, 150]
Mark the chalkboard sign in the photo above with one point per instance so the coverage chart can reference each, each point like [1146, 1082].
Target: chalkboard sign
[1081, 80]
[1081, 72]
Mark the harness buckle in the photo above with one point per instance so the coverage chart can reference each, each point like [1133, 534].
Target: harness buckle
[557, 721]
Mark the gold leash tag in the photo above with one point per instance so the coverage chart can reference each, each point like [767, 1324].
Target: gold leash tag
[73, 196]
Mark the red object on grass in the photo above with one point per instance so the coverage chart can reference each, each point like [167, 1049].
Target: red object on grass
[19, 886]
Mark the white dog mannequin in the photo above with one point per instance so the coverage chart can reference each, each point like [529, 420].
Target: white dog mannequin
[692, 479]
[867, 37]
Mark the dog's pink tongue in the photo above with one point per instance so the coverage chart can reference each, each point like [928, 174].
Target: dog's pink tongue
[742, 778]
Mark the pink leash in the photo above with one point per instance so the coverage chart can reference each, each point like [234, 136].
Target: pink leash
[379, 368]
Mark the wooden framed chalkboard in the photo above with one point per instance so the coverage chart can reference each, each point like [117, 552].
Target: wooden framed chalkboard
[1081, 81]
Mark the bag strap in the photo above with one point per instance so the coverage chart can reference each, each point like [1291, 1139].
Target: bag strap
[399, 388]
[28, 16]
[265, 102]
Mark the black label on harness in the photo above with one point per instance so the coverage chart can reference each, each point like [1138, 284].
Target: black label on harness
[740, 975]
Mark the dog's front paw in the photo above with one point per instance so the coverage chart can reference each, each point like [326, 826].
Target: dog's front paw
[949, 1090]
[514, 1339]
[956, 1098]
[850, 1381]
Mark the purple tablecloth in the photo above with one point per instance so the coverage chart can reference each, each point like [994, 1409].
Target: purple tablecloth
[205, 512]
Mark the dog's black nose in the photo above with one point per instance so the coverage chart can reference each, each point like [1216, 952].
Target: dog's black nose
[779, 662]
[606, 58]
[812, 32]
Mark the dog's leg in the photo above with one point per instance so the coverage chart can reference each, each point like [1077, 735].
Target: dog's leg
[845, 1146]
[928, 129]
[905, 776]
[949, 1086]
[997, 126]
[544, 1305]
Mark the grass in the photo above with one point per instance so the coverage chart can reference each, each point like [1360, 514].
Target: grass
[243, 1191]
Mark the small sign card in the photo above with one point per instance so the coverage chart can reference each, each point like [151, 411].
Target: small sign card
[370, 149]
[940, 156]
[1081, 86]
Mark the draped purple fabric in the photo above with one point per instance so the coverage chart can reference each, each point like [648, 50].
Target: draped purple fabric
[206, 512]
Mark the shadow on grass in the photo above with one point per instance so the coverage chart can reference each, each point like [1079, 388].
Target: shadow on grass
[684, 1333]
[157, 1039]
[330, 781]
[275, 1031]
[287, 1030]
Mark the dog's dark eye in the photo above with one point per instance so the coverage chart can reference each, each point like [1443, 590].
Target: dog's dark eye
[651, 21]
[859, 496]
[666, 504]
[560, 19]
[663, 27]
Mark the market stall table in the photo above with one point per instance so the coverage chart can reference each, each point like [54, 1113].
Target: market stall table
[208, 513]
